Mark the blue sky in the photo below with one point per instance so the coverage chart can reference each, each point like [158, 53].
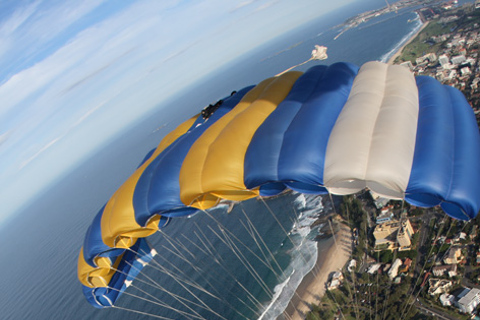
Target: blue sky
[74, 74]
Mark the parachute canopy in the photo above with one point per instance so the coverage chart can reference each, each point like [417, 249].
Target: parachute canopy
[319, 53]
[337, 129]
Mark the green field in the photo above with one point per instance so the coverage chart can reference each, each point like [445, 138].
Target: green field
[419, 47]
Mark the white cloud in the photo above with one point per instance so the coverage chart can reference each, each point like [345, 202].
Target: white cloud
[110, 74]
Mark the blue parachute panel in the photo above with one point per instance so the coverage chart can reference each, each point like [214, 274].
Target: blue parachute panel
[133, 261]
[93, 245]
[432, 162]
[463, 199]
[158, 189]
[289, 147]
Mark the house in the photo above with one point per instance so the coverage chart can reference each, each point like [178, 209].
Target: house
[393, 271]
[352, 265]
[447, 299]
[468, 300]
[336, 280]
[449, 269]
[374, 268]
[437, 286]
[453, 255]
[405, 266]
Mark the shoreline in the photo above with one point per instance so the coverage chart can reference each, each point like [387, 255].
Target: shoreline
[331, 257]
[399, 51]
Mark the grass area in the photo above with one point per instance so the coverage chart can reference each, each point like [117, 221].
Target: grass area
[419, 47]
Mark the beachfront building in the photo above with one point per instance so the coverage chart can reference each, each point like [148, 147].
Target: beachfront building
[468, 300]
[336, 280]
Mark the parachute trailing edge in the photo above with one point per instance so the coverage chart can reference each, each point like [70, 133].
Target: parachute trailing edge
[337, 129]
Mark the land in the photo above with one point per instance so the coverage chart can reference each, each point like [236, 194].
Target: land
[369, 289]
[440, 264]
[334, 253]
[448, 49]
[364, 17]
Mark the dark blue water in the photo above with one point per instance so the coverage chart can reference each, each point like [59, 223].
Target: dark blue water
[40, 246]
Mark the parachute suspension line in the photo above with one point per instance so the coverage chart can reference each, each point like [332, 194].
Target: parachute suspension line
[176, 276]
[176, 297]
[429, 271]
[421, 272]
[186, 260]
[221, 227]
[264, 255]
[385, 302]
[228, 242]
[206, 307]
[254, 237]
[330, 223]
[337, 248]
[272, 257]
[378, 288]
[159, 303]
[142, 313]
[187, 279]
[195, 285]
[276, 219]
[315, 273]
[206, 241]
[218, 261]
[329, 293]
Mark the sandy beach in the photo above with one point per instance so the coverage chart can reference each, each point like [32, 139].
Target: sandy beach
[399, 51]
[331, 257]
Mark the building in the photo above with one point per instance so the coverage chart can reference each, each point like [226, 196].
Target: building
[438, 286]
[336, 280]
[393, 271]
[407, 64]
[468, 300]
[389, 233]
[443, 60]
[352, 265]
[458, 59]
[385, 230]
[405, 266]
[447, 299]
[449, 269]
[404, 235]
[374, 268]
[453, 255]
[384, 217]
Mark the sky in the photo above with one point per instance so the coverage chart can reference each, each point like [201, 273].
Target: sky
[75, 74]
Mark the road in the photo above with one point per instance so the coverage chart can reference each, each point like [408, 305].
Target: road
[434, 312]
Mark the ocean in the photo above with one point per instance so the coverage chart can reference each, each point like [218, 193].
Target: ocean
[230, 255]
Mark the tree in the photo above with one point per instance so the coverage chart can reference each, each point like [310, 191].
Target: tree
[386, 256]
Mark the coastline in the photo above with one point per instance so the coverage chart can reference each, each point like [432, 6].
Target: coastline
[399, 51]
[330, 258]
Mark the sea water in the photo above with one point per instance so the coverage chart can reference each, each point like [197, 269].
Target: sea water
[40, 246]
